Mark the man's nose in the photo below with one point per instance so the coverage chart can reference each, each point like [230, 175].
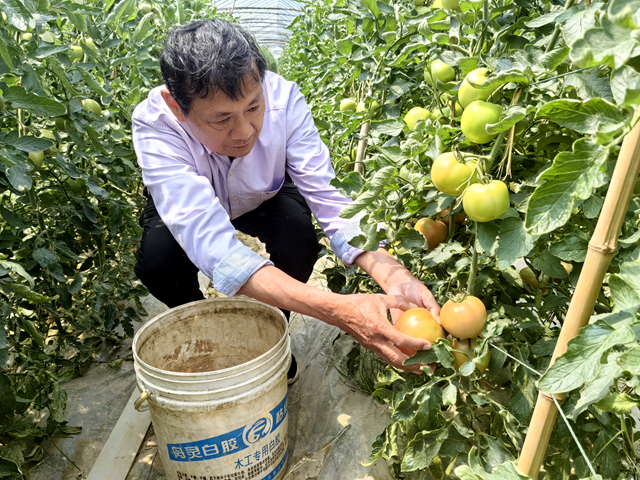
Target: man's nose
[243, 130]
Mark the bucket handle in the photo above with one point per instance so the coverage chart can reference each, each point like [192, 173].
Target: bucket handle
[142, 399]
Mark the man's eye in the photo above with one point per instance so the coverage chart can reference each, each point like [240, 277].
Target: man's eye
[221, 122]
[253, 109]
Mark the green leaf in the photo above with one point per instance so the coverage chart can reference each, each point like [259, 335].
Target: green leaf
[619, 403]
[629, 361]
[625, 286]
[391, 127]
[141, 31]
[38, 105]
[17, 268]
[13, 219]
[598, 388]
[625, 12]
[32, 144]
[58, 403]
[550, 265]
[19, 176]
[49, 260]
[554, 58]
[593, 116]
[376, 185]
[385, 445]
[508, 119]
[18, 15]
[575, 27]
[503, 78]
[589, 84]
[398, 89]
[514, 242]
[612, 44]
[625, 85]
[44, 51]
[7, 396]
[26, 292]
[581, 362]
[488, 238]
[573, 176]
[8, 468]
[92, 83]
[572, 247]
[118, 11]
[422, 449]
[449, 394]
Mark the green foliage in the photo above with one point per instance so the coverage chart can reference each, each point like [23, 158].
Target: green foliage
[569, 84]
[272, 64]
[68, 227]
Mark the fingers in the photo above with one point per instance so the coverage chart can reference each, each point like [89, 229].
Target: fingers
[395, 358]
[396, 301]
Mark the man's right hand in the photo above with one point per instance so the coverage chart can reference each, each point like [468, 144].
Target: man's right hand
[364, 318]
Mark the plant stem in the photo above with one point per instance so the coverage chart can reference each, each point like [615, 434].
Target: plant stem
[494, 151]
[471, 285]
[556, 32]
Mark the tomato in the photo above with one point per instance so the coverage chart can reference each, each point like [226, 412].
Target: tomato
[75, 185]
[441, 71]
[37, 158]
[459, 217]
[372, 108]
[451, 4]
[75, 53]
[25, 37]
[418, 3]
[347, 105]
[419, 323]
[450, 176]
[476, 116]
[434, 232]
[467, 93]
[60, 124]
[427, 76]
[145, 8]
[464, 357]
[484, 203]
[465, 319]
[529, 277]
[92, 106]
[414, 115]
[437, 4]
[90, 43]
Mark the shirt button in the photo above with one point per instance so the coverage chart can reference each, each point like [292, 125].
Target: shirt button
[231, 173]
[235, 198]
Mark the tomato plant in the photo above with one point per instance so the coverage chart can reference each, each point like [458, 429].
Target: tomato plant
[568, 95]
[71, 74]
[435, 232]
[459, 218]
[419, 323]
[465, 318]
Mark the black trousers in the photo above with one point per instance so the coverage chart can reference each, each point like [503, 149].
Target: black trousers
[283, 223]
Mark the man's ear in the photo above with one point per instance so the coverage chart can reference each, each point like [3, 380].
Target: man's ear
[172, 104]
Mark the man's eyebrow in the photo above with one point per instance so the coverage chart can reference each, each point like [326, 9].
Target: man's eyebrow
[226, 114]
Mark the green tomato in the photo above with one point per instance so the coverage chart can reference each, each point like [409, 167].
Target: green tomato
[451, 5]
[25, 37]
[437, 4]
[427, 76]
[75, 53]
[60, 124]
[47, 37]
[450, 176]
[468, 93]
[418, 3]
[486, 202]
[48, 134]
[347, 105]
[90, 43]
[75, 185]
[91, 105]
[441, 71]
[529, 277]
[145, 8]
[414, 115]
[37, 158]
[476, 117]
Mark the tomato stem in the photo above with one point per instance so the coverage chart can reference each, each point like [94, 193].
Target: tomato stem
[474, 263]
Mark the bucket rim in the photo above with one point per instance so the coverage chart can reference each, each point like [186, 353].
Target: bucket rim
[159, 317]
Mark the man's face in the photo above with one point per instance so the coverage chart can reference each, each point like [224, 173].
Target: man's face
[224, 125]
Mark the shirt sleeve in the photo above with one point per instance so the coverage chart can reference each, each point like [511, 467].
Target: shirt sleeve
[189, 207]
[309, 165]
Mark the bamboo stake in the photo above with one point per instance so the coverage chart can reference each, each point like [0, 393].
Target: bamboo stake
[362, 146]
[602, 248]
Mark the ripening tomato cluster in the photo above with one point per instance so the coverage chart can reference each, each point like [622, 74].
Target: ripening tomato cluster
[464, 320]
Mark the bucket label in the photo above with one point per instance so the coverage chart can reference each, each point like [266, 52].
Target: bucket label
[233, 442]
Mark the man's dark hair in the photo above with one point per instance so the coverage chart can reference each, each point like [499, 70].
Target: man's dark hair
[207, 56]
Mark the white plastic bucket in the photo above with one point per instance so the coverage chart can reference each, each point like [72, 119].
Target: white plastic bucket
[214, 374]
